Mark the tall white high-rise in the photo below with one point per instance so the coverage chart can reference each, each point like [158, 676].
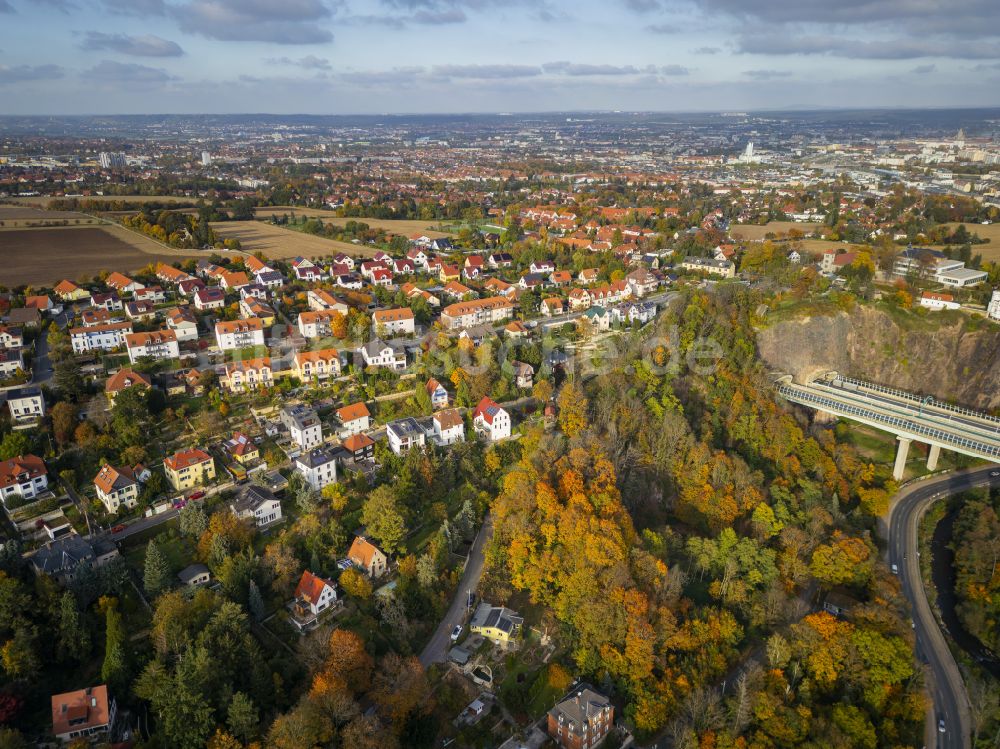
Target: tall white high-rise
[748, 152]
[206, 158]
[112, 160]
[993, 311]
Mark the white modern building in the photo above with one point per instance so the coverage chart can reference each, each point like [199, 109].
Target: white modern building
[257, 504]
[993, 310]
[304, 426]
[318, 467]
[449, 427]
[26, 405]
[378, 353]
[106, 337]
[404, 434]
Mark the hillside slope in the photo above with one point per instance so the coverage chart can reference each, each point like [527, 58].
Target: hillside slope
[933, 356]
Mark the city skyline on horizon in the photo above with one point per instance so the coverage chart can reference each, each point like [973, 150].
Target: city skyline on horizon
[358, 57]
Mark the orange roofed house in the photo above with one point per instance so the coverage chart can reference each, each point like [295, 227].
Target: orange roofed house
[83, 714]
[354, 418]
[368, 557]
[70, 292]
[319, 364]
[398, 321]
[123, 379]
[313, 595]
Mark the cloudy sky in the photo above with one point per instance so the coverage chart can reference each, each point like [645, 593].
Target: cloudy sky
[374, 56]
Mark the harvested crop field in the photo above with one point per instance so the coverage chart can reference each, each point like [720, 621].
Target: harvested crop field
[45, 256]
[991, 250]
[42, 201]
[279, 243]
[406, 227]
[752, 232]
[24, 216]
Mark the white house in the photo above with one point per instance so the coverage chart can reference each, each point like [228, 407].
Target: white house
[393, 321]
[26, 404]
[449, 427]
[320, 299]
[237, 334]
[936, 301]
[184, 324]
[117, 487]
[303, 424]
[318, 467]
[317, 323]
[404, 434]
[490, 420]
[378, 353]
[154, 344]
[24, 476]
[307, 270]
[11, 337]
[354, 419]
[313, 595]
[437, 393]
[107, 337]
[258, 504]
[993, 310]
[211, 297]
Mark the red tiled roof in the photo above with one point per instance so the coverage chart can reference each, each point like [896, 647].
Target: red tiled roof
[12, 467]
[353, 411]
[310, 587]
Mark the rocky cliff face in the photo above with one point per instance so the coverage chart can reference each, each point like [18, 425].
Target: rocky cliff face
[929, 357]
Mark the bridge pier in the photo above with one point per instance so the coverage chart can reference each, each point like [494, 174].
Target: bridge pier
[932, 457]
[901, 453]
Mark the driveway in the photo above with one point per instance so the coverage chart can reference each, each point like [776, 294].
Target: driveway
[440, 643]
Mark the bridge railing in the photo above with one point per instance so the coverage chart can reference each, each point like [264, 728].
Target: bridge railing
[911, 427]
[915, 398]
[946, 420]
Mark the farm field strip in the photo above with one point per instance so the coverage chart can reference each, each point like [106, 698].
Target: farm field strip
[45, 256]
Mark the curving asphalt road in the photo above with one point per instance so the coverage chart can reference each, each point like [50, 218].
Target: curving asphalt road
[947, 690]
[440, 642]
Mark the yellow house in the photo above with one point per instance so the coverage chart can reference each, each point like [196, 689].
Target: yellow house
[243, 449]
[70, 292]
[449, 272]
[498, 624]
[251, 307]
[189, 468]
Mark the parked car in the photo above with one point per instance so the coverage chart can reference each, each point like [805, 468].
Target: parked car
[118, 528]
[197, 495]
[456, 633]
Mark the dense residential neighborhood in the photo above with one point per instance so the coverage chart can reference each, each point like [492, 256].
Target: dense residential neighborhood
[489, 447]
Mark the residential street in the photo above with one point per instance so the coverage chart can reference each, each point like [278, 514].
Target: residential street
[41, 367]
[440, 643]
